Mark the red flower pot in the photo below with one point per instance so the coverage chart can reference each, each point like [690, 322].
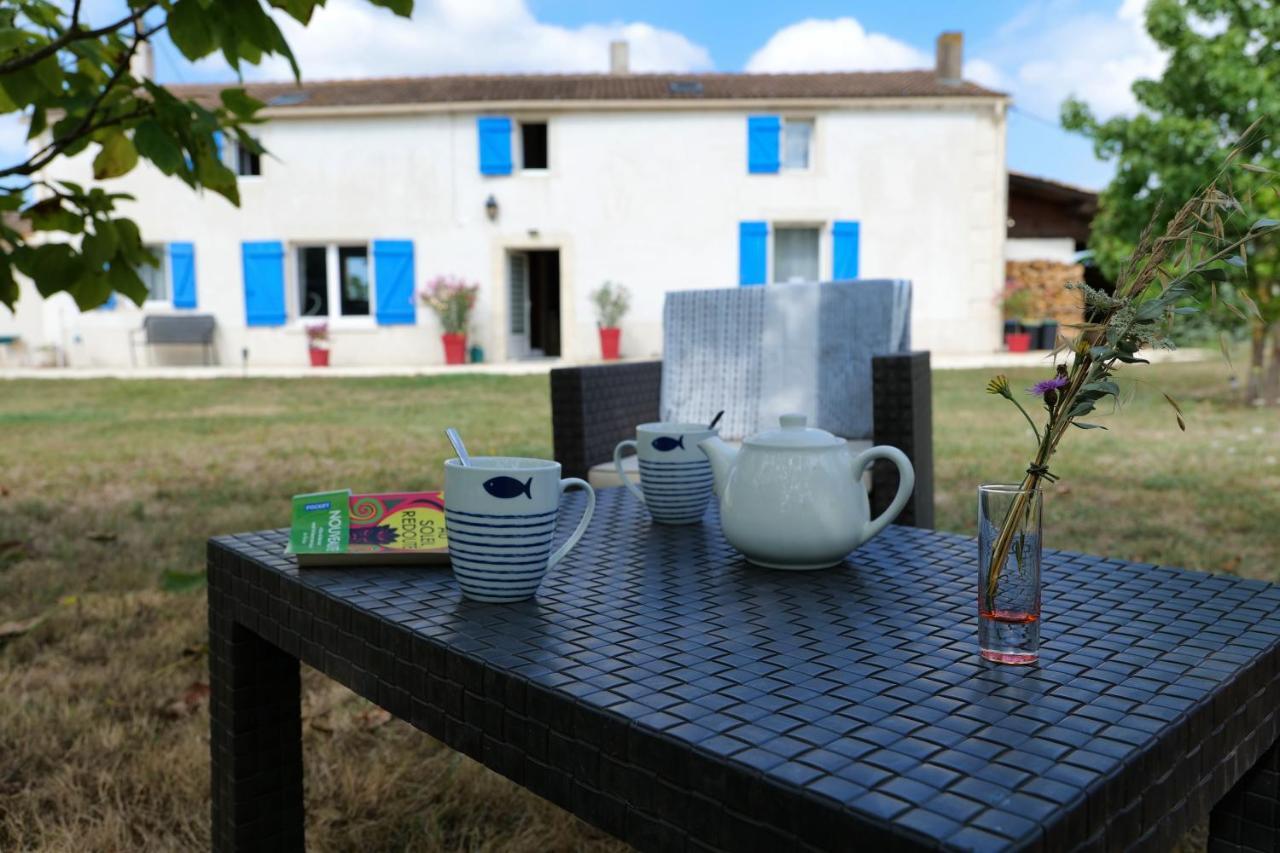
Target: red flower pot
[1018, 341]
[609, 342]
[455, 348]
[319, 357]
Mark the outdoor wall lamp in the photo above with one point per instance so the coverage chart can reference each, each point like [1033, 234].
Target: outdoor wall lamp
[491, 208]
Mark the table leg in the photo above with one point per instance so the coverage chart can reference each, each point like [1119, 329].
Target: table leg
[255, 741]
[1247, 819]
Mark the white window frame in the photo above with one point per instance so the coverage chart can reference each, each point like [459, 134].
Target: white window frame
[788, 121]
[166, 271]
[333, 285]
[519, 146]
[772, 255]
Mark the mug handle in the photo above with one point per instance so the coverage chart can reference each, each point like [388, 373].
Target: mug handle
[617, 466]
[582, 525]
[906, 482]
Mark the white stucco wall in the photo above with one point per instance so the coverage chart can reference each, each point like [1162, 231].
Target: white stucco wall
[650, 198]
[1060, 249]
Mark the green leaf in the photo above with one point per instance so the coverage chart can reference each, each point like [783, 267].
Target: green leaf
[50, 215]
[403, 8]
[124, 279]
[117, 157]
[91, 291]
[1129, 359]
[1103, 386]
[299, 10]
[172, 581]
[8, 285]
[240, 102]
[99, 247]
[189, 29]
[1082, 425]
[157, 145]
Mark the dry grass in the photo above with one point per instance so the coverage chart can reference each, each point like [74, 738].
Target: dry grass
[108, 484]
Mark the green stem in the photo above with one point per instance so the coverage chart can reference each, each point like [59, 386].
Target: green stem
[1030, 422]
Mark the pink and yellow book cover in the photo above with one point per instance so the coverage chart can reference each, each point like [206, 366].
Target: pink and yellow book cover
[397, 522]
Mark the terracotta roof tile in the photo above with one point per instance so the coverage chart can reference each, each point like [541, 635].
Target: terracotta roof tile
[598, 87]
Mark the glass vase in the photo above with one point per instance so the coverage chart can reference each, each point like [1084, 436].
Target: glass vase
[1009, 573]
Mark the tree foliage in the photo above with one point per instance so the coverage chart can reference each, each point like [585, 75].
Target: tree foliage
[74, 83]
[1216, 99]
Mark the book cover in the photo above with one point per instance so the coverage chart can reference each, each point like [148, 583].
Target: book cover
[391, 528]
[320, 523]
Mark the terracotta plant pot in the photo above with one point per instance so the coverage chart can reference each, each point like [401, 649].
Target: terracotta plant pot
[455, 348]
[610, 339]
[319, 357]
[1018, 341]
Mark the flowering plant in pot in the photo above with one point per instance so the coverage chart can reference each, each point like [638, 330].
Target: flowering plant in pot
[452, 298]
[612, 301]
[318, 343]
[1017, 302]
[1168, 276]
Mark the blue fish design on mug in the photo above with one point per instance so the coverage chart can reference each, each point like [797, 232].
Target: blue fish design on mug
[509, 487]
[666, 443]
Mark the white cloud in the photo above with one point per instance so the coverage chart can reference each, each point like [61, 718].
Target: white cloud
[1050, 52]
[838, 44]
[347, 38]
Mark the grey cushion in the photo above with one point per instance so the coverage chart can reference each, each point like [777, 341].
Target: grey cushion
[758, 352]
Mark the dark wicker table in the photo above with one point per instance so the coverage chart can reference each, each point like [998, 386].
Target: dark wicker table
[664, 690]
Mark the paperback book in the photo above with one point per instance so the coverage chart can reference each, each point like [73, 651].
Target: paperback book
[343, 529]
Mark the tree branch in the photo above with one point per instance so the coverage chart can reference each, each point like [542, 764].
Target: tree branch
[73, 34]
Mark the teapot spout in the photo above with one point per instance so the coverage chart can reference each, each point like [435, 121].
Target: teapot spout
[722, 457]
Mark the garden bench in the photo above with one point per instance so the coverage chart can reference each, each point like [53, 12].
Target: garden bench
[175, 329]
[665, 691]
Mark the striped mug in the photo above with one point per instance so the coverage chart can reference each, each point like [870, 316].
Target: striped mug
[500, 518]
[675, 476]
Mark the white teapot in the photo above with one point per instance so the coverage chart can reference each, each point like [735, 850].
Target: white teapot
[793, 498]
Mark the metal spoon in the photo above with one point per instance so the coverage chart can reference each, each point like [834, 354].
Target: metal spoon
[458, 447]
[716, 419]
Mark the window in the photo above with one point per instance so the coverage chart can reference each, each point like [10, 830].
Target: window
[797, 134]
[240, 159]
[333, 281]
[156, 278]
[533, 145]
[795, 254]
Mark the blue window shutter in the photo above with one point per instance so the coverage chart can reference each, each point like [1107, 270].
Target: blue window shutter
[753, 250]
[495, 144]
[393, 282]
[217, 145]
[182, 270]
[110, 304]
[763, 133]
[263, 283]
[844, 265]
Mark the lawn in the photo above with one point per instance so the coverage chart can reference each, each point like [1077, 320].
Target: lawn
[108, 490]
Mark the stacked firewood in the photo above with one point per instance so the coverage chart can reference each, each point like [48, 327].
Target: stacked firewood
[1047, 280]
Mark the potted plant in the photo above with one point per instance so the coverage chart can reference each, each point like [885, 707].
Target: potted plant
[452, 298]
[612, 301]
[1016, 302]
[318, 343]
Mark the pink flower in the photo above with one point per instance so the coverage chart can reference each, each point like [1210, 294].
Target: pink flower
[1042, 388]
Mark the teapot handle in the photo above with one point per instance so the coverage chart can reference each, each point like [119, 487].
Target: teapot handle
[906, 482]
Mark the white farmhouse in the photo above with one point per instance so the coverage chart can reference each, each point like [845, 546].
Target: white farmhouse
[541, 187]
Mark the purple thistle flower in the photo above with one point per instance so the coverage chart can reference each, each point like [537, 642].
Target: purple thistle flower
[1042, 388]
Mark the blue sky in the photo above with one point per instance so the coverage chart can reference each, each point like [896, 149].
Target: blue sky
[1040, 51]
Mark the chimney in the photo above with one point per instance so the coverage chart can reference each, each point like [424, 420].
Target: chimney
[619, 57]
[950, 56]
[142, 65]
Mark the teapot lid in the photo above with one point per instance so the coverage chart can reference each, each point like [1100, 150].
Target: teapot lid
[795, 434]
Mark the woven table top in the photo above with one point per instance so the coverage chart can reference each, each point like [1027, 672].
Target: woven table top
[675, 695]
